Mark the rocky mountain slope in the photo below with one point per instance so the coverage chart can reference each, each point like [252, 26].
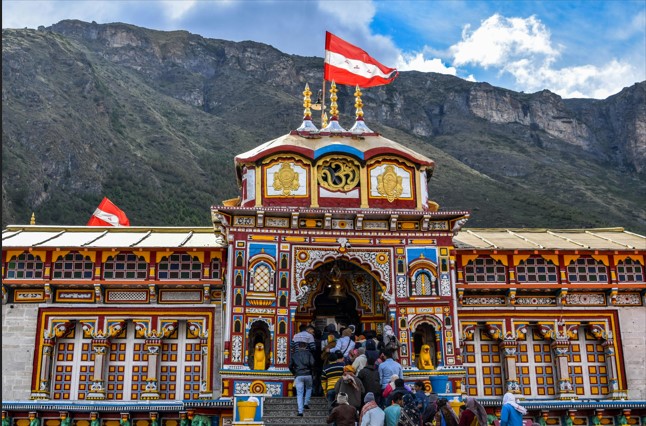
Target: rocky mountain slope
[153, 120]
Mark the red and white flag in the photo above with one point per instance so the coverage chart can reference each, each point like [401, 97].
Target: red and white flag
[348, 64]
[107, 214]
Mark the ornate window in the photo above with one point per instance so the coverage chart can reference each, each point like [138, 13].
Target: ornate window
[485, 270]
[179, 266]
[483, 364]
[630, 271]
[537, 270]
[535, 366]
[216, 269]
[125, 266]
[25, 266]
[261, 278]
[588, 369]
[74, 266]
[587, 270]
[424, 283]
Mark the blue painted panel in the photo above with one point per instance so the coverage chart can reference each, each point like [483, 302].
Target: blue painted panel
[338, 148]
[256, 248]
[429, 253]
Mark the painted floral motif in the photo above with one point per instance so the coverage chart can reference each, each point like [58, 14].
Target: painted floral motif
[492, 300]
[236, 351]
[282, 350]
[586, 299]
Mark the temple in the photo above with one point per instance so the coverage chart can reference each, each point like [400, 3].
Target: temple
[156, 325]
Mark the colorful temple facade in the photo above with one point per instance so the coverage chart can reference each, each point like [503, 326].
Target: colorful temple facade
[161, 324]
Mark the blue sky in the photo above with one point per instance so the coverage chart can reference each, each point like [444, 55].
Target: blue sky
[574, 48]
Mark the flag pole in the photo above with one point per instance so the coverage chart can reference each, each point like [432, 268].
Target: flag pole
[323, 103]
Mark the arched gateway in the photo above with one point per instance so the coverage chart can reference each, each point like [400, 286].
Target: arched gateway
[336, 226]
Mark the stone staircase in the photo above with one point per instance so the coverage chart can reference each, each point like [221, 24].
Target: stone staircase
[282, 411]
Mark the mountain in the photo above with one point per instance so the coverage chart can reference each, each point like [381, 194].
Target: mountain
[153, 119]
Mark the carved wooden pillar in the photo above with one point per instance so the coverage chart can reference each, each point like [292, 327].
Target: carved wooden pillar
[509, 348]
[153, 346]
[43, 386]
[560, 334]
[206, 390]
[600, 332]
[100, 346]
[45, 369]
[561, 349]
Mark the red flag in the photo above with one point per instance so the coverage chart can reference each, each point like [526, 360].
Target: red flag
[107, 214]
[348, 64]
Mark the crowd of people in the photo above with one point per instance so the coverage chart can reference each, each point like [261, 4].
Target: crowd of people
[364, 383]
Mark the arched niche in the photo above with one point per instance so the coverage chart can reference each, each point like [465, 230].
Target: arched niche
[259, 333]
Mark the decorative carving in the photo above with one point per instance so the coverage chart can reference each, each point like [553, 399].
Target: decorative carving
[236, 349]
[389, 184]
[286, 179]
[338, 174]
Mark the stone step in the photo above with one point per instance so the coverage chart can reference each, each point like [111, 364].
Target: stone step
[295, 420]
[282, 411]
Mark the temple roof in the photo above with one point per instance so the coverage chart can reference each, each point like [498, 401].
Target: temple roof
[549, 239]
[109, 237]
[22, 236]
[363, 147]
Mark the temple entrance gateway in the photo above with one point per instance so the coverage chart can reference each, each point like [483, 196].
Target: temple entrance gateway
[343, 294]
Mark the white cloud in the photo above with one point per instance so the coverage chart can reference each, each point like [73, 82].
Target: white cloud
[575, 82]
[498, 39]
[177, 9]
[417, 62]
[522, 47]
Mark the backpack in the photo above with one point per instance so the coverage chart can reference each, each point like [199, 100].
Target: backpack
[392, 343]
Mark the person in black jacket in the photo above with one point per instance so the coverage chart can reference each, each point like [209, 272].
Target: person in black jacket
[369, 376]
[302, 365]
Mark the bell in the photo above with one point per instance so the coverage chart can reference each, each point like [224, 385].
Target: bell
[338, 293]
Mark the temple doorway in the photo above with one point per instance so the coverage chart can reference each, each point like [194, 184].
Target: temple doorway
[343, 294]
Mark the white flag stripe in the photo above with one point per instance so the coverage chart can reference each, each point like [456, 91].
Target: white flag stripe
[112, 219]
[354, 66]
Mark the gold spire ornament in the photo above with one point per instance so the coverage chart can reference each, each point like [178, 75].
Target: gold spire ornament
[359, 125]
[307, 125]
[33, 219]
[333, 126]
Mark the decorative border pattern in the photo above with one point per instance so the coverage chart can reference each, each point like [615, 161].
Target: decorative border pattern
[126, 296]
[180, 296]
[77, 296]
[29, 296]
[586, 299]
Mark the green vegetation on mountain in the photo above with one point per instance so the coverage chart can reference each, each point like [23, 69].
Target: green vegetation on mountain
[153, 120]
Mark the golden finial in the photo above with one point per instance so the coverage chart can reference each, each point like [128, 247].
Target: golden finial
[359, 126]
[307, 125]
[333, 97]
[307, 102]
[358, 103]
[325, 122]
[333, 126]
[33, 219]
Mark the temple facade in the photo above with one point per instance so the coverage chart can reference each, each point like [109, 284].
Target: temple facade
[332, 226]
